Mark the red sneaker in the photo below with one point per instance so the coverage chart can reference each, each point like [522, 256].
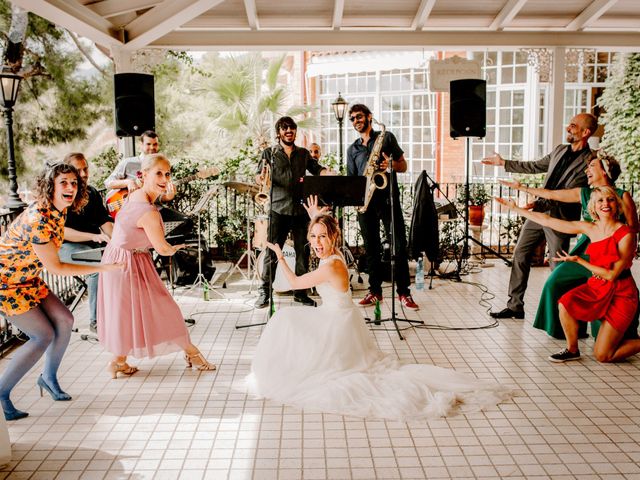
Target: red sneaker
[407, 302]
[370, 299]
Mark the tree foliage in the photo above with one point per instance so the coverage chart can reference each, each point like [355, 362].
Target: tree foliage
[621, 117]
[221, 111]
[55, 103]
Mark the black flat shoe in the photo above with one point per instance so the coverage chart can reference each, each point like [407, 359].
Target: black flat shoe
[507, 313]
[262, 301]
[305, 300]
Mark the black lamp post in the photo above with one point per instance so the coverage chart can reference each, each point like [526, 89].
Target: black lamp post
[10, 85]
[339, 106]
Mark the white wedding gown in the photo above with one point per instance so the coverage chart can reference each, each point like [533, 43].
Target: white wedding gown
[325, 359]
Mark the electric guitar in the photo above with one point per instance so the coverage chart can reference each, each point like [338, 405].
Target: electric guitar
[115, 198]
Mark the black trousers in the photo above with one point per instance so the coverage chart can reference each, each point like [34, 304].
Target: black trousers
[379, 210]
[281, 225]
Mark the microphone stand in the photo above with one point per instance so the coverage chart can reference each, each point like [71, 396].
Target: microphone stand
[393, 318]
[269, 253]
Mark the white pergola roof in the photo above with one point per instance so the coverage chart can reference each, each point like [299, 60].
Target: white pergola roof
[131, 25]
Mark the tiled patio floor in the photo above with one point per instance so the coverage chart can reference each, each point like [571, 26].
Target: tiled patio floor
[578, 420]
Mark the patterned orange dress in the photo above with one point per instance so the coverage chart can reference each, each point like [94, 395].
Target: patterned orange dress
[21, 287]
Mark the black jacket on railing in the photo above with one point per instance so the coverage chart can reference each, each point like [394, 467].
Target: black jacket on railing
[423, 234]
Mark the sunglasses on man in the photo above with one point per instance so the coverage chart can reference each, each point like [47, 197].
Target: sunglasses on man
[359, 116]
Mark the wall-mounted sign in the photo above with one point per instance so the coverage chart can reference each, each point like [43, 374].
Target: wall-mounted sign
[441, 72]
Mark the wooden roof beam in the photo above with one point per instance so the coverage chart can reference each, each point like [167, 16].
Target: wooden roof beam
[590, 14]
[424, 10]
[75, 17]
[163, 19]
[338, 14]
[252, 14]
[508, 13]
[113, 8]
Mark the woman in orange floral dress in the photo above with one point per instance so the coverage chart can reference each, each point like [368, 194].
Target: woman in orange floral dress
[30, 244]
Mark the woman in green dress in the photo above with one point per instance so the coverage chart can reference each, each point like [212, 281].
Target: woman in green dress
[603, 170]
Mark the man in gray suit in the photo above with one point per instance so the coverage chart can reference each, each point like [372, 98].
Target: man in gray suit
[565, 168]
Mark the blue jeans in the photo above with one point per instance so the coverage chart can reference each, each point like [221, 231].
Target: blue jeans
[65, 252]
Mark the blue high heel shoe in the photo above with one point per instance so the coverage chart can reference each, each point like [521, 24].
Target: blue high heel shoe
[58, 396]
[14, 414]
[11, 412]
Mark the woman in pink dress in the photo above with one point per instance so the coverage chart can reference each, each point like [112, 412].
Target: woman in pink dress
[136, 314]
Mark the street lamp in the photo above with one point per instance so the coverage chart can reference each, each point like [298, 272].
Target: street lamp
[339, 106]
[10, 85]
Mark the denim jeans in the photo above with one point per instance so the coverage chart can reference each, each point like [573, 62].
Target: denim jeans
[65, 252]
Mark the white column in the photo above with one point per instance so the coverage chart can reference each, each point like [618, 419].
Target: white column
[555, 132]
[122, 59]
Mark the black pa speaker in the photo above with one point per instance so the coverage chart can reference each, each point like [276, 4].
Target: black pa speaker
[134, 103]
[468, 108]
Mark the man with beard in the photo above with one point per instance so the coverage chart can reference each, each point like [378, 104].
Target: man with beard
[565, 168]
[288, 164]
[125, 175]
[379, 208]
[85, 230]
[315, 151]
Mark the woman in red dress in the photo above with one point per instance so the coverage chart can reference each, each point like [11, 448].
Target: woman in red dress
[610, 294]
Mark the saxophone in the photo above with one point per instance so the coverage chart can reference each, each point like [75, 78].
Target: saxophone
[376, 180]
[262, 197]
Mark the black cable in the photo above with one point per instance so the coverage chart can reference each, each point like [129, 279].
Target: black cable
[485, 296]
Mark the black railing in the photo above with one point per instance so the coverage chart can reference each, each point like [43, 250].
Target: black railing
[225, 219]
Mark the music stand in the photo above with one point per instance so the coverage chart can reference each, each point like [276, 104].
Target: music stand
[199, 207]
[337, 191]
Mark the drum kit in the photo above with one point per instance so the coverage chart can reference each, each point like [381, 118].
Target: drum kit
[257, 241]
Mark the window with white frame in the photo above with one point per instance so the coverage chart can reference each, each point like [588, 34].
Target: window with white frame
[397, 98]
[506, 74]
[585, 76]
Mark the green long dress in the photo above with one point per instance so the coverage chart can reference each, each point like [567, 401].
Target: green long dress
[566, 276]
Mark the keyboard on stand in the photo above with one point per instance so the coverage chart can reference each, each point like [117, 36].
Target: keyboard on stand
[92, 255]
[171, 226]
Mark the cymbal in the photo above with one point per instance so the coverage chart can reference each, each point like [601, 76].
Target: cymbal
[242, 187]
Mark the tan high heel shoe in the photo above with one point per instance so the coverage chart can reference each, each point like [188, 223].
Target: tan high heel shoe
[114, 368]
[200, 362]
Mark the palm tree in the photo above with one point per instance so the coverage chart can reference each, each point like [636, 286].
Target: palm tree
[249, 99]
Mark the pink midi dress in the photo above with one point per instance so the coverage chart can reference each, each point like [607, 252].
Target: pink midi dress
[137, 316]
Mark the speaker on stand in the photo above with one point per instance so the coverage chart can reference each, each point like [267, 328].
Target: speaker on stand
[134, 104]
[468, 118]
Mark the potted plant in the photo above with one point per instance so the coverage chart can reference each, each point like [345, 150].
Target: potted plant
[478, 198]
[230, 235]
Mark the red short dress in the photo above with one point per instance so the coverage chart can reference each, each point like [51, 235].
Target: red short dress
[611, 301]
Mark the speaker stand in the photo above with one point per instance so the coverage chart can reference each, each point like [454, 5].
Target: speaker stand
[464, 252]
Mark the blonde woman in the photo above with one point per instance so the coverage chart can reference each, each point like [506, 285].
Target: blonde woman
[610, 294]
[136, 314]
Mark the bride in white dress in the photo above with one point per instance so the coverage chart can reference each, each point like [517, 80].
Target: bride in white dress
[325, 359]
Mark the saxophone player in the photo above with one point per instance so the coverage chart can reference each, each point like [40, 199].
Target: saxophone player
[287, 164]
[379, 208]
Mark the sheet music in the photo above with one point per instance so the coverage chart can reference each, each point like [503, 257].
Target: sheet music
[203, 200]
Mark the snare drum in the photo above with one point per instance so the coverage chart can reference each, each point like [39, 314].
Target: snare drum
[280, 283]
[260, 231]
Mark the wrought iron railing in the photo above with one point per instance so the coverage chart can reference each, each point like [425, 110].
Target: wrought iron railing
[499, 230]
